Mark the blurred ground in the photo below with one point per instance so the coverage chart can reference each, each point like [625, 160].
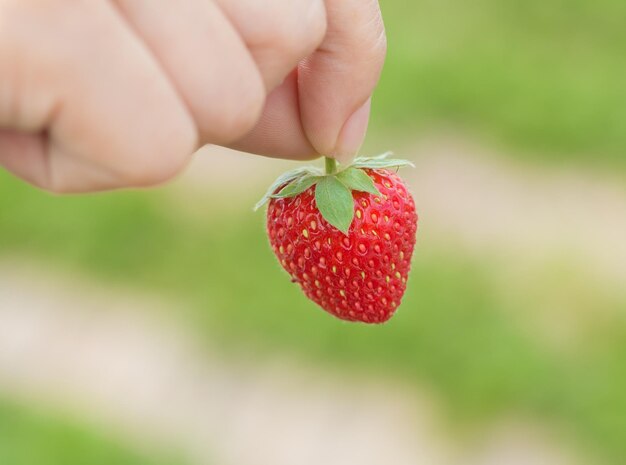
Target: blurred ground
[124, 360]
[109, 357]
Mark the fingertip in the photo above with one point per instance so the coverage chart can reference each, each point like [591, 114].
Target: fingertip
[352, 134]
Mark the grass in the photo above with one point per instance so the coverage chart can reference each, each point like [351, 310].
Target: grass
[544, 76]
[29, 436]
[455, 331]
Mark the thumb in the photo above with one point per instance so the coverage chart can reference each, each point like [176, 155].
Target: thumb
[336, 82]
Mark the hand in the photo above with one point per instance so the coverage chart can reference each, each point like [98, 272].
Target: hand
[102, 95]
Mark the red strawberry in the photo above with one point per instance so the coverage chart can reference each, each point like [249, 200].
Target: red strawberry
[346, 238]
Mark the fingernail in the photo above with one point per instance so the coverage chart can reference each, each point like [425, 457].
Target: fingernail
[352, 134]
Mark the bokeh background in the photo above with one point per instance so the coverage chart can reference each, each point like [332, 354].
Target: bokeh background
[155, 327]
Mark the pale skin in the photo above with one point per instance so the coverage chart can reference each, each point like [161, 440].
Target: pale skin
[98, 95]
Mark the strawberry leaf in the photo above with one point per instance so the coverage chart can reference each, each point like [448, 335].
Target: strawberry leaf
[287, 178]
[297, 186]
[357, 180]
[380, 163]
[379, 157]
[335, 203]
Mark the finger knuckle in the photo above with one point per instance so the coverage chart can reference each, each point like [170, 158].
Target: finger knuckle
[55, 188]
[315, 26]
[374, 41]
[56, 183]
[379, 46]
[377, 52]
[149, 175]
[157, 163]
[153, 172]
[239, 113]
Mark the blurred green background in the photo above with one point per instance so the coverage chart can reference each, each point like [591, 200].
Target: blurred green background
[541, 85]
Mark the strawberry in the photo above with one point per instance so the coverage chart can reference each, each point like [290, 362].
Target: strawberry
[345, 237]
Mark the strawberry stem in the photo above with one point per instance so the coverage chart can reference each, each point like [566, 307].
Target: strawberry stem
[331, 165]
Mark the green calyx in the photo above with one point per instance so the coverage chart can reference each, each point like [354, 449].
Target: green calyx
[333, 188]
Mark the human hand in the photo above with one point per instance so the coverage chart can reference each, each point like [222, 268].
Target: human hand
[101, 95]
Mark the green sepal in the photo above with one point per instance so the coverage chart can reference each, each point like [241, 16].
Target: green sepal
[335, 203]
[296, 187]
[333, 191]
[287, 178]
[357, 180]
[380, 161]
